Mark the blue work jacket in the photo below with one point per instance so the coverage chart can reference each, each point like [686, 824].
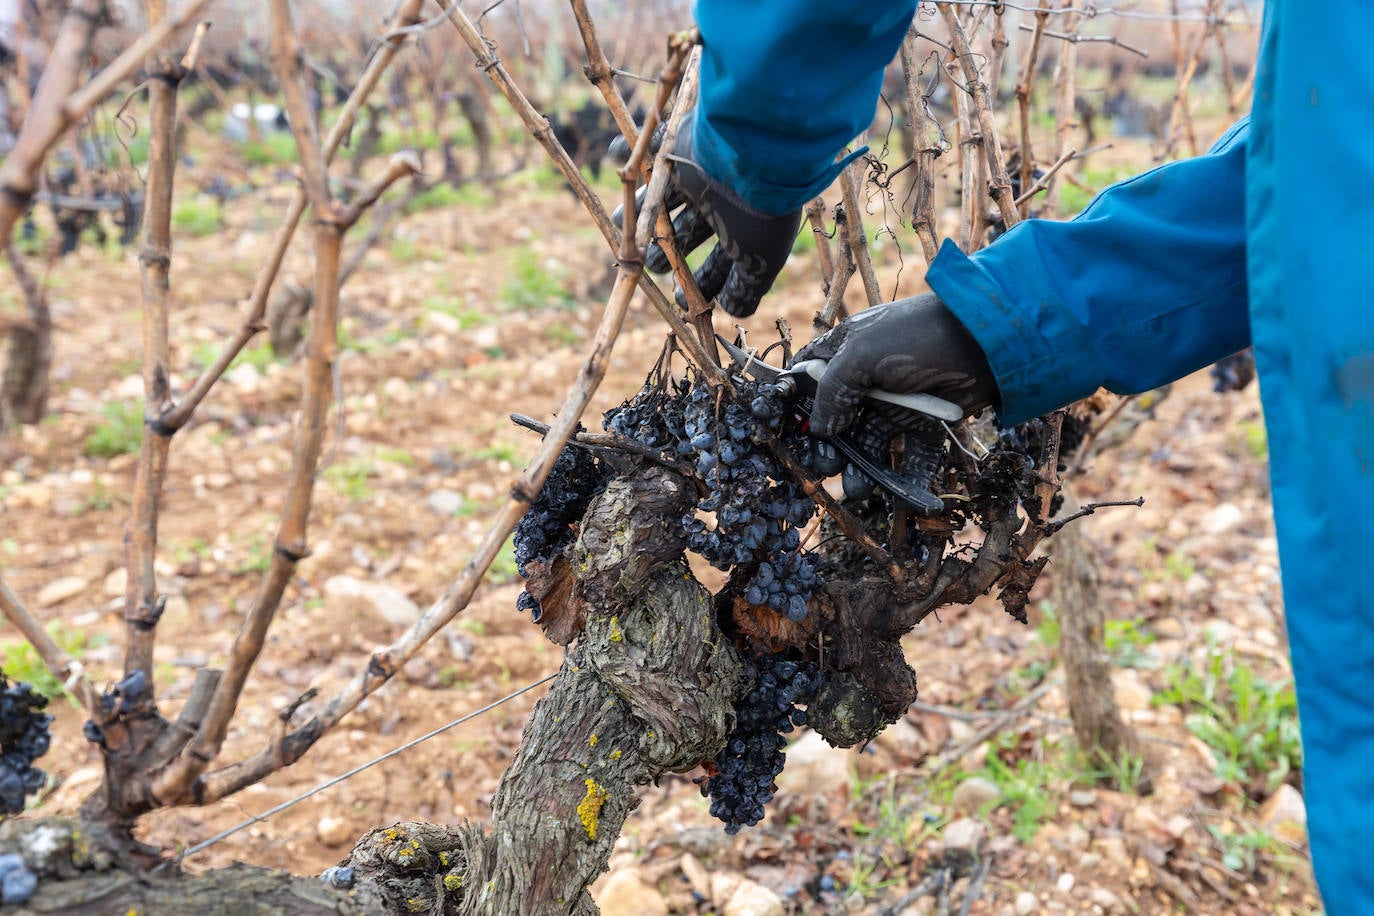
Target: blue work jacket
[1263, 241]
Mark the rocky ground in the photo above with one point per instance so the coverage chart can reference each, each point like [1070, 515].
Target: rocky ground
[472, 310]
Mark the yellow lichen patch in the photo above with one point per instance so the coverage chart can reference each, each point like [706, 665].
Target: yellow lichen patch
[591, 742]
[589, 808]
[453, 882]
[615, 754]
[616, 633]
[415, 905]
[443, 859]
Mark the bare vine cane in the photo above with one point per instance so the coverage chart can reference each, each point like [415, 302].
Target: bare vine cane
[54, 657]
[850, 181]
[188, 781]
[1065, 113]
[1181, 114]
[483, 51]
[178, 415]
[928, 146]
[1000, 182]
[58, 103]
[1024, 86]
[601, 74]
[332, 220]
[141, 606]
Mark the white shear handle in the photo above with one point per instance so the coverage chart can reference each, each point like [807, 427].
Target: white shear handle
[922, 403]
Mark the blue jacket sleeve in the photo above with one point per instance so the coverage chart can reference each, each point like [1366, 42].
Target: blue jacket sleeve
[785, 84]
[1147, 284]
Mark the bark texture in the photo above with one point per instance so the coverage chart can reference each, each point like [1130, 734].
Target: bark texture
[649, 688]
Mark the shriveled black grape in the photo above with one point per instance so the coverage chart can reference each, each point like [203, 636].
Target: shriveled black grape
[759, 512]
[24, 737]
[547, 528]
[746, 769]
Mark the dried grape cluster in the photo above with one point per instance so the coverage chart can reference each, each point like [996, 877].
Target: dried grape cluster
[749, 764]
[547, 528]
[23, 739]
[758, 511]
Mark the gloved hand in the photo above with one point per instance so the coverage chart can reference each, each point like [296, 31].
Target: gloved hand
[751, 246]
[912, 345]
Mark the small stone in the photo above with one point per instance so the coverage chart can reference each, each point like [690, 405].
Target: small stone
[115, 582]
[626, 893]
[1222, 518]
[815, 768]
[38, 495]
[1285, 815]
[333, 831]
[1132, 694]
[1065, 882]
[753, 899]
[974, 794]
[697, 875]
[1077, 837]
[1082, 798]
[445, 502]
[1178, 826]
[1026, 903]
[59, 590]
[385, 601]
[1168, 628]
[963, 836]
[1104, 898]
[245, 377]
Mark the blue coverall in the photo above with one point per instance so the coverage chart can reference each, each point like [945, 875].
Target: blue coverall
[1263, 241]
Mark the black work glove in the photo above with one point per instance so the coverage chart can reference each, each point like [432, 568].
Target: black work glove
[751, 246]
[912, 345]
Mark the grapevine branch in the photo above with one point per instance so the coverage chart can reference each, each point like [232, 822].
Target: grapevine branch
[332, 221]
[54, 657]
[928, 145]
[179, 414]
[287, 748]
[1000, 186]
[850, 179]
[1024, 86]
[58, 103]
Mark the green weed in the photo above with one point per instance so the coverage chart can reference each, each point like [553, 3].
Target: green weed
[275, 148]
[1025, 788]
[1255, 438]
[1240, 850]
[530, 284]
[503, 568]
[119, 433]
[1250, 724]
[396, 456]
[20, 661]
[453, 305]
[405, 251]
[1126, 642]
[350, 478]
[443, 195]
[501, 451]
[561, 334]
[197, 216]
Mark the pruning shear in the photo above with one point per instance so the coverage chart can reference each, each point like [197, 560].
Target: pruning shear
[798, 383]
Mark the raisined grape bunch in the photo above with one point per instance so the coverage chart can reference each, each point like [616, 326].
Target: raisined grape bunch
[23, 739]
[747, 767]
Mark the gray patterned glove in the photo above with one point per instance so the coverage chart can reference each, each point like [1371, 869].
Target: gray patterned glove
[912, 345]
[751, 246]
